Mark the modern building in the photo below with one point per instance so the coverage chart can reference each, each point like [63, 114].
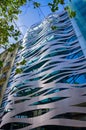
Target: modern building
[49, 92]
[80, 7]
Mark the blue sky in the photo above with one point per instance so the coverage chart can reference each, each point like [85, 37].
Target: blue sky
[31, 16]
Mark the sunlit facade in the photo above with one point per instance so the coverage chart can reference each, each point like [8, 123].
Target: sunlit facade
[50, 92]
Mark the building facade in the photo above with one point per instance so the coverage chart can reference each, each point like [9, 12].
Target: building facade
[6, 64]
[50, 91]
[80, 7]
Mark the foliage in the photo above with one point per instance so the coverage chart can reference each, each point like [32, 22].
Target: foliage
[54, 4]
[9, 10]
[53, 27]
[22, 62]
[36, 4]
[1, 63]
[12, 47]
[21, 47]
[70, 11]
[18, 71]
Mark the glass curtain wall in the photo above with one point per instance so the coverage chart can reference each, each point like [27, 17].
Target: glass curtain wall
[50, 91]
[80, 7]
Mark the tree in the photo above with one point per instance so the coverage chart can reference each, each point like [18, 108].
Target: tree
[9, 10]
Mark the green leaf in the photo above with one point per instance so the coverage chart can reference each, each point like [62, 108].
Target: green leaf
[9, 11]
[50, 4]
[1, 63]
[12, 47]
[53, 27]
[61, 2]
[36, 4]
[23, 62]
[18, 71]
[54, 5]
[21, 47]
[70, 12]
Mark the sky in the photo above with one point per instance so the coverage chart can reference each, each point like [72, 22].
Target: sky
[31, 16]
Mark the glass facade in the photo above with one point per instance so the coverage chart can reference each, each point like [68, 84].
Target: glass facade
[80, 7]
[50, 92]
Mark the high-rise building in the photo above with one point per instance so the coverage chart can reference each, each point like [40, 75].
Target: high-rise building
[49, 92]
[80, 7]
